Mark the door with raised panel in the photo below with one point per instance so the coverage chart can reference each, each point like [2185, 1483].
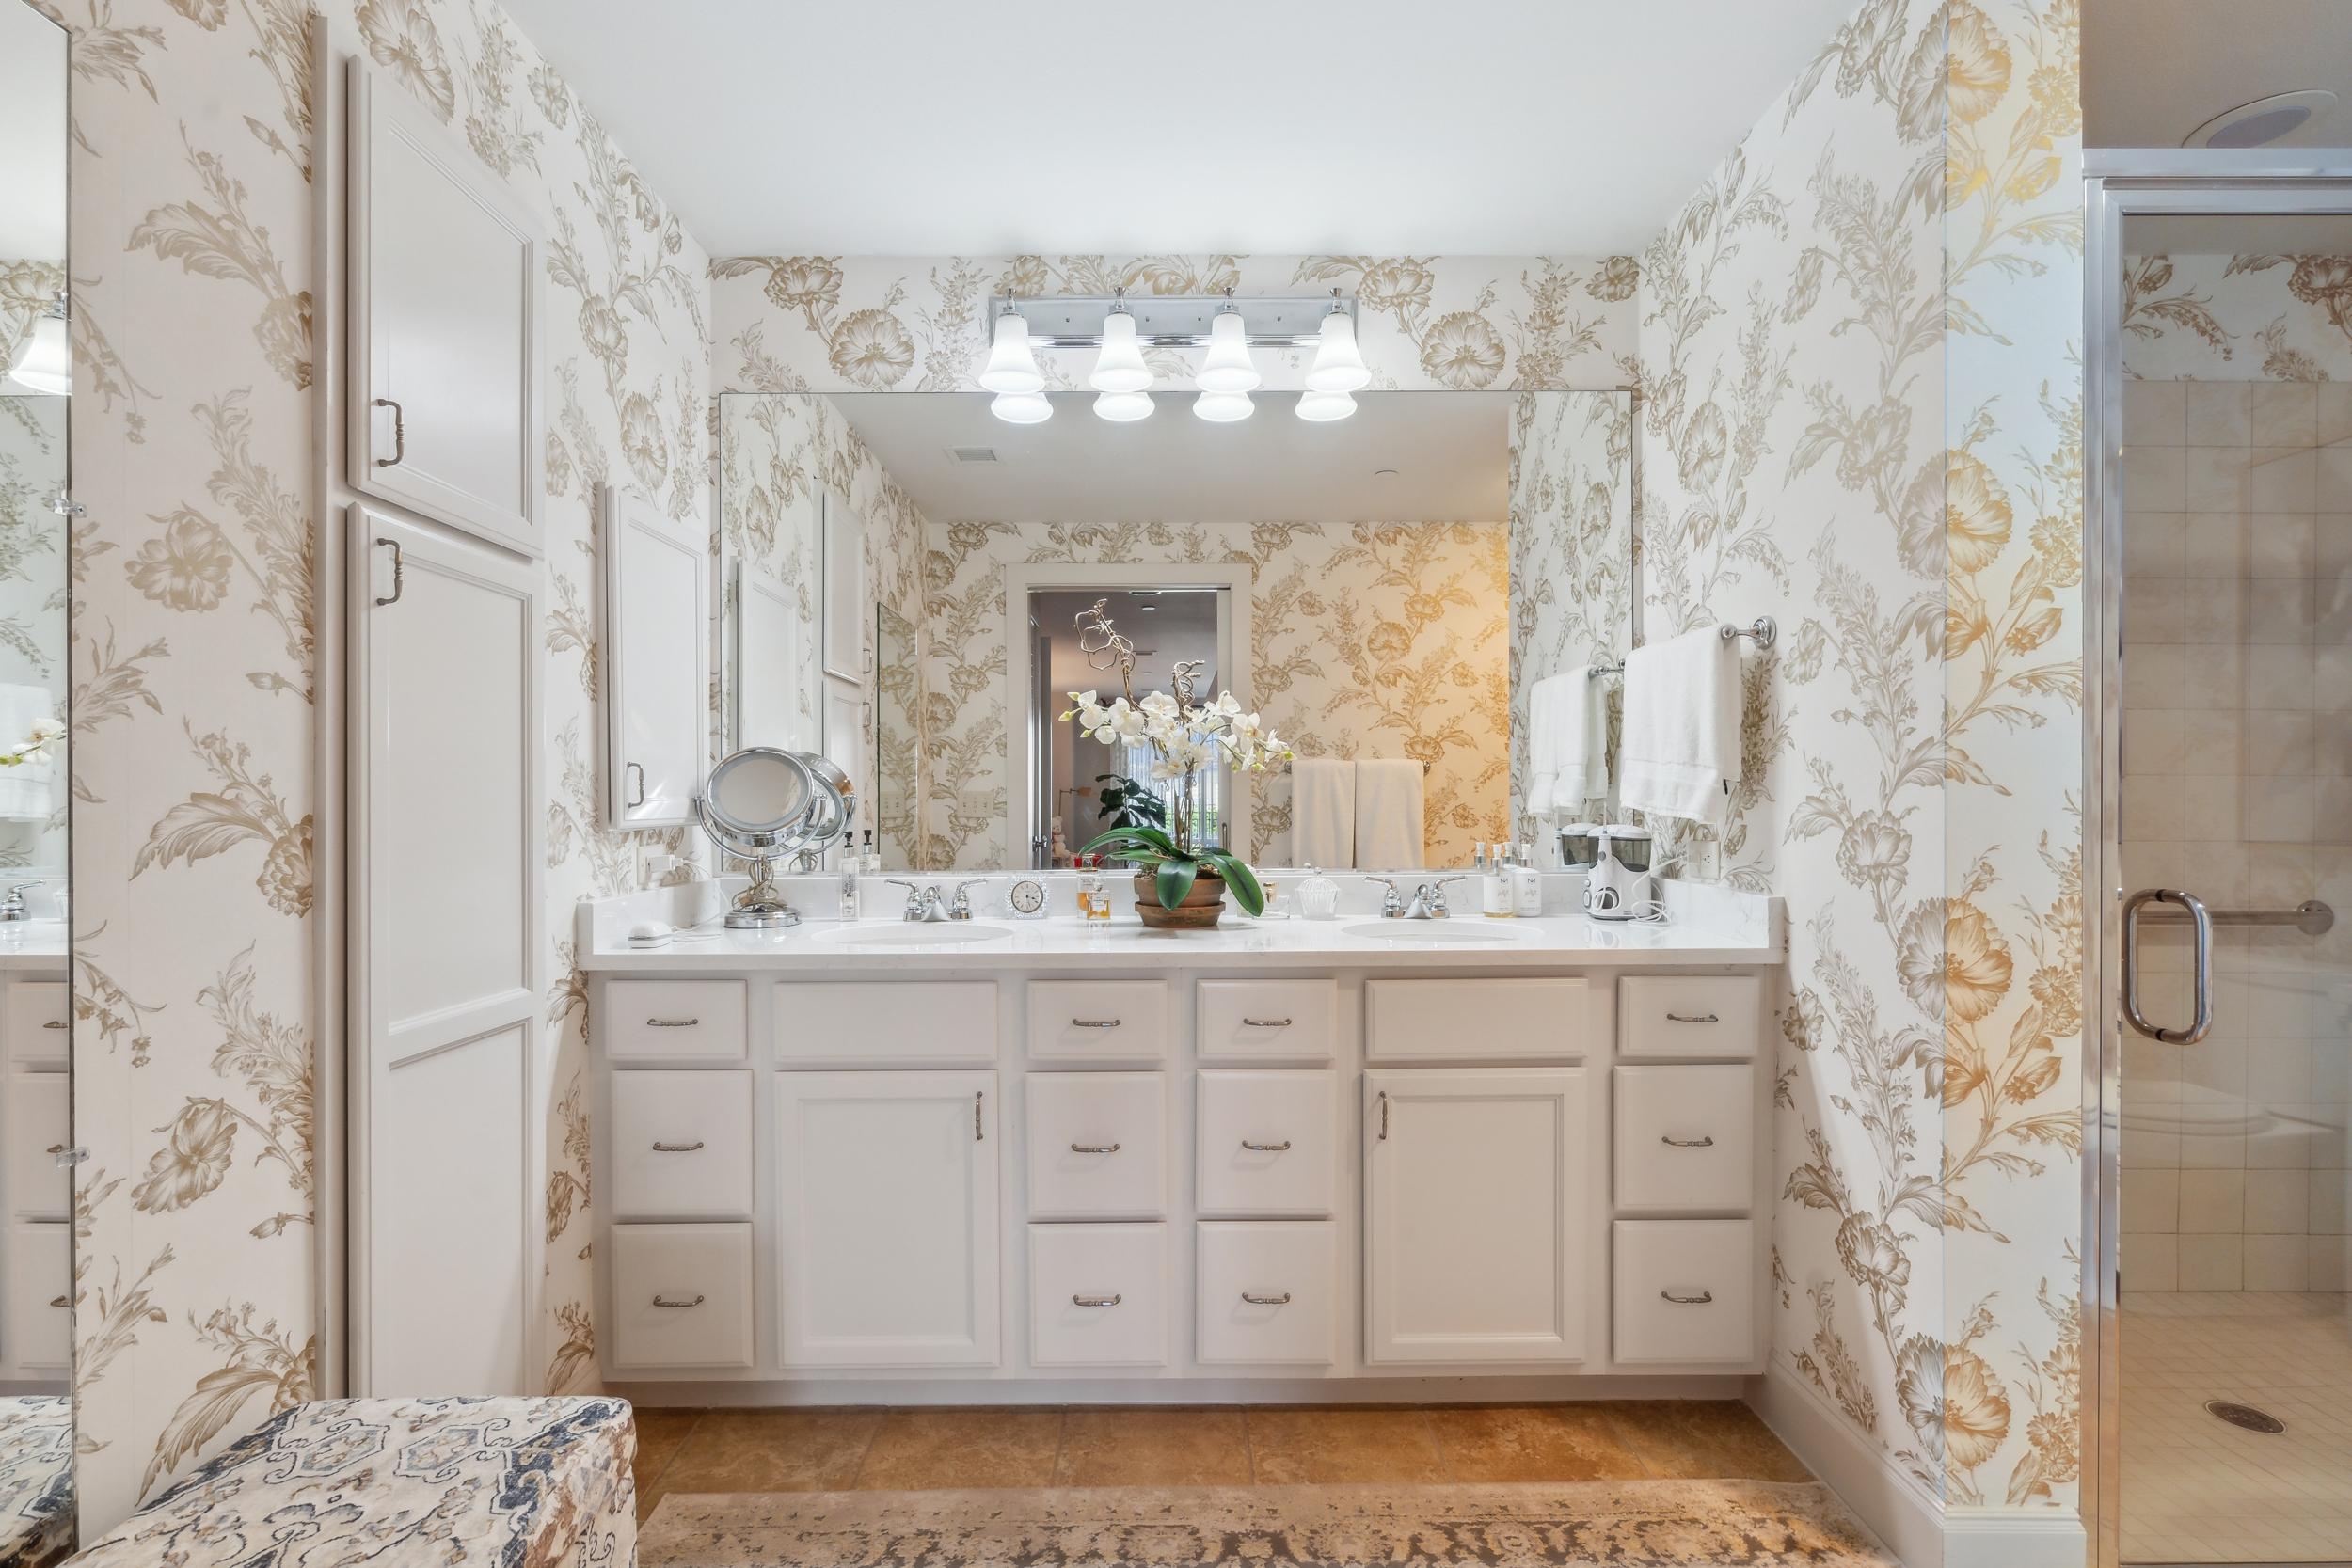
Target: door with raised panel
[886, 1222]
[1475, 1194]
[446, 285]
[448, 968]
[656, 642]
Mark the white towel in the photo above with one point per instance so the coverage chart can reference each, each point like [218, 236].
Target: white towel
[1681, 727]
[26, 788]
[1323, 813]
[1389, 815]
[1567, 745]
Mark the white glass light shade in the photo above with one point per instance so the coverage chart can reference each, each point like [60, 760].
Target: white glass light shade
[1229, 367]
[1021, 407]
[1119, 367]
[46, 364]
[1323, 407]
[1123, 407]
[1338, 365]
[1011, 367]
[1223, 407]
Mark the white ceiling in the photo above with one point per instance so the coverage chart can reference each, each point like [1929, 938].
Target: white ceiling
[930, 127]
[32, 132]
[2154, 70]
[1451, 452]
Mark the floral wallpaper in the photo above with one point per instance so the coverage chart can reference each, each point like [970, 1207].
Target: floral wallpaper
[881, 324]
[32, 618]
[27, 287]
[2238, 318]
[1863, 417]
[193, 671]
[1367, 640]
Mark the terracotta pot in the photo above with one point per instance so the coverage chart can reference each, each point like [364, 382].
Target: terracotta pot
[1198, 912]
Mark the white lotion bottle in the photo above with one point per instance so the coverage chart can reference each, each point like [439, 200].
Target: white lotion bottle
[1494, 888]
[1527, 886]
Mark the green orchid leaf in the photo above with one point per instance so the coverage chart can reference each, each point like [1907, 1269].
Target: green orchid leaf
[1247, 893]
[1133, 837]
[1174, 880]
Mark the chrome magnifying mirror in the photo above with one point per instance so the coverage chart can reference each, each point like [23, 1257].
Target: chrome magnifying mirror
[762, 804]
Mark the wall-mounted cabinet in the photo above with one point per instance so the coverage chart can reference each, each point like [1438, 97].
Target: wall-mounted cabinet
[657, 640]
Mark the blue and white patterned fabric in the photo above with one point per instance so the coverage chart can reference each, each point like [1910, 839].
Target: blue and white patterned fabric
[36, 1480]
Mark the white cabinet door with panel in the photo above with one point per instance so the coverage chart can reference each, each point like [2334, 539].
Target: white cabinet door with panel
[657, 654]
[1475, 1200]
[776, 708]
[447, 282]
[886, 1218]
[37, 1130]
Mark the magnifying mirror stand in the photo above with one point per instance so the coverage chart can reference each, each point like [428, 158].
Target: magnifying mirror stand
[760, 907]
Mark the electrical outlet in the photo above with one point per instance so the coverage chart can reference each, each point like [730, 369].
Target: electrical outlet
[1706, 859]
[653, 863]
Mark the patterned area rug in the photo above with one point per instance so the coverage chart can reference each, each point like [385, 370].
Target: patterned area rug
[1671, 1524]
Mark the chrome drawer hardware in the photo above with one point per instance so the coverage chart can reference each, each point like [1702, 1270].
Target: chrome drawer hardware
[1094, 1022]
[69, 1157]
[1282, 1300]
[1283, 1147]
[60, 1301]
[1383, 1116]
[638, 768]
[1672, 1142]
[1266, 1022]
[1098, 1301]
[1699, 1300]
[679, 1306]
[1693, 1017]
[53, 1149]
[1093, 1149]
[671, 1022]
[978, 1136]
[400, 572]
[56, 1023]
[400, 434]
[678, 1148]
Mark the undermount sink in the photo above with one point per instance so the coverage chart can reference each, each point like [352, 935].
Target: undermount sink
[953, 933]
[1435, 932]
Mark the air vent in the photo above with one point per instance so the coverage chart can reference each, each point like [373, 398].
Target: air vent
[973, 455]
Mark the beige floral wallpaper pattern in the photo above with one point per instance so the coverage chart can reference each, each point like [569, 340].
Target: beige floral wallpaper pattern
[2238, 318]
[192, 659]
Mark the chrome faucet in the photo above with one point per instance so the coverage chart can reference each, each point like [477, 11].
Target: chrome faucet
[1429, 900]
[13, 909]
[923, 903]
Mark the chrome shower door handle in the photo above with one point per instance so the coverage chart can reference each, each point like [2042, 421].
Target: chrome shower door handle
[2201, 1021]
[400, 435]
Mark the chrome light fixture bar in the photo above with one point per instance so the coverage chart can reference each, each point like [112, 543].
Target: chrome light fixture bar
[1171, 321]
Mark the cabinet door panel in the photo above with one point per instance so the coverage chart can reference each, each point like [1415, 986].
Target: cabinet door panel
[887, 1223]
[1475, 1199]
[36, 1297]
[39, 1123]
[657, 654]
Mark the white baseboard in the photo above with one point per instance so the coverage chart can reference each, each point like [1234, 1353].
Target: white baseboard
[1903, 1513]
[2013, 1538]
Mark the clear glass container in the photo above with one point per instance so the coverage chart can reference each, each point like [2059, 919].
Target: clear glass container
[1317, 897]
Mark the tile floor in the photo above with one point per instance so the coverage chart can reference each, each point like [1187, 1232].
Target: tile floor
[2196, 1489]
[866, 1450]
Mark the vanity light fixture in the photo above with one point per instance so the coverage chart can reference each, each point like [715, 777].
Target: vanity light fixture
[1323, 407]
[1011, 367]
[1021, 407]
[1223, 407]
[1123, 407]
[45, 363]
[1119, 367]
[1338, 365]
[1227, 367]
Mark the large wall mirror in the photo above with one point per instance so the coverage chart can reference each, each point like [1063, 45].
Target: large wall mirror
[1391, 591]
[36, 376]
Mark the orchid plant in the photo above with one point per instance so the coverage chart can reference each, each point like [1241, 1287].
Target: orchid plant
[45, 732]
[1183, 738]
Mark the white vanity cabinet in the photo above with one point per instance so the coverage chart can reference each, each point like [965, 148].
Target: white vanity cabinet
[36, 1193]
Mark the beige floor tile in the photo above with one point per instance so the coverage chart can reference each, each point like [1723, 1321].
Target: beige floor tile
[1311, 1447]
[771, 1450]
[1704, 1440]
[1559, 1442]
[1153, 1447]
[936, 1450]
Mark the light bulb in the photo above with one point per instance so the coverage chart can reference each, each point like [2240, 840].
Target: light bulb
[1119, 367]
[1323, 407]
[1223, 407]
[1338, 365]
[1021, 407]
[46, 364]
[1229, 367]
[1123, 407]
[1011, 367]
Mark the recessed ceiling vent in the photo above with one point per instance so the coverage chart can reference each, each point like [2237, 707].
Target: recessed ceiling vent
[2281, 117]
[973, 455]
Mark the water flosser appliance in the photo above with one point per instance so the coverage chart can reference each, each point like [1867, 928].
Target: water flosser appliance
[1620, 885]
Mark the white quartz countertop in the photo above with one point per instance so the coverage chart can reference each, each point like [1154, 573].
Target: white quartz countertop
[1736, 930]
[33, 944]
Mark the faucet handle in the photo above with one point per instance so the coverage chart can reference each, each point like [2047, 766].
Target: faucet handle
[1392, 901]
[964, 902]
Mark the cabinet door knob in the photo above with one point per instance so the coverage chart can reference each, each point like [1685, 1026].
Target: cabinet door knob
[1283, 1147]
[1096, 1301]
[1699, 1300]
[1282, 1300]
[1093, 1149]
[678, 1306]
[678, 1148]
[1693, 1017]
[400, 435]
[1672, 1142]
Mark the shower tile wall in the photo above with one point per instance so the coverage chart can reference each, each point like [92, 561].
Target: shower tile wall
[2237, 686]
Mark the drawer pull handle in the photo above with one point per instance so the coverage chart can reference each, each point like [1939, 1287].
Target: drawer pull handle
[1266, 1022]
[671, 1022]
[1672, 1142]
[1383, 1116]
[1093, 1149]
[1096, 1301]
[678, 1148]
[53, 1149]
[1699, 1300]
[1282, 1300]
[679, 1306]
[1283, 1147]
[979, 1136]
[1094, 1022]
[1693, 1017]
[61, 1301]
[55, 1023]
[400, 445]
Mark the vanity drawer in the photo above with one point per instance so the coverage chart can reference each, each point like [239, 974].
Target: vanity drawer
[38, 1125]
[705, 1271]
[1098, 1144]
[36, 1296]
[1268, 1142]
[37, 1022]
[1686, 1137]
[1686, 1291]
[1121, 1021]
[1288, 1021]
[855, 1023]
[1098, 1295]
[681, 1145]
[1268, 1292]
[1502, 1019]
[1688, 1015]
[677, 1021]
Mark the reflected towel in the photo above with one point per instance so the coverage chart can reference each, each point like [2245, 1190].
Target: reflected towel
[1389, 815]
[1323, 813]
[1567, 745]
[1681, 748]
[25, 790]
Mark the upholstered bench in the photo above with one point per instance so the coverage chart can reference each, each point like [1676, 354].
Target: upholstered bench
[36, 1480]
[402, 1483]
